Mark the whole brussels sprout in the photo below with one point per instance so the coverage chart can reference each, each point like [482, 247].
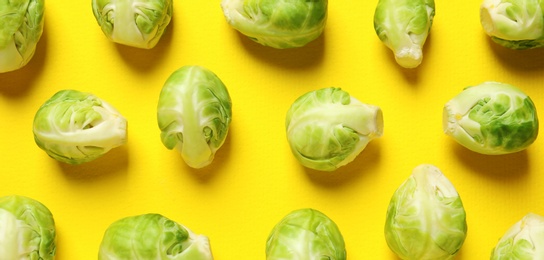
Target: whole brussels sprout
[75, 127]
[136, 23]
[523, 240]
[194, 114]
[403, 26]
[425, 218]
[152, 236]
[305, 234]
[491, 118]
[514, 24]
[277, 23]
[328, 128]
[21, 27]
[27, 229]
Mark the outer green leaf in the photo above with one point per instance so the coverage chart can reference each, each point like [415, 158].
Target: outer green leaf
[491, 118]
[277, 23]
[328, 128]
[425, 218]
[516, 24]
[21, 27]
[305, 234]
[152, 236]
[76, 127]
[27, 229]
[523, 241]
[403, 26]
[194, 114]
[137, 23]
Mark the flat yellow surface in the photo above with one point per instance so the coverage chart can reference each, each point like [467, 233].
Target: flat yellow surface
[254, 180]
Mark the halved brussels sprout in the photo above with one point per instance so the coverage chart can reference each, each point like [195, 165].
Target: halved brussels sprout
[21, 27]
[77, 127]
[514, 24]
[277, 23]
[194, 114]
[491, 118]
[305, 234]
[523, 240]
[136, 23]
[27, 229]
[152, 236]
[403, 26]
[426, 218]
[328, 128]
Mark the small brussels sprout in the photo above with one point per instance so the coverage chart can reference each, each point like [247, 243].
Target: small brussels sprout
[328, 128]
[305, 234]
[491, 118]
[513, 24]
[21, 27]
[277, 23]
[27, 229]
[75, 127]
[152, 236]
[425, 218]
[524, 240]
[403, 26]
[194, 114]
[136, 23]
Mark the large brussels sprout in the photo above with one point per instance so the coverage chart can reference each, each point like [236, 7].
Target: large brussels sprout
[77, 127]
[491, 118]
[277, 23]
[194, 114]
[403, 26]
[522, 241]
[21, 27]
[305, 234]
[152, 236]
[426, 218]
[515, 24]
[136, 23]
[328, 128]
[27, 229]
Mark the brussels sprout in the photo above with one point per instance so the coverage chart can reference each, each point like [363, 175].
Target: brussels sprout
[425, 218]
[76, 127]
[403, 26]
[279, 24]
[491, 118]
[523, 241]
[27, 229]
[514, 24]
[328, 128]
[194, 114]
[21, 27]
[305, 234]
[136, 23]
[152, 236]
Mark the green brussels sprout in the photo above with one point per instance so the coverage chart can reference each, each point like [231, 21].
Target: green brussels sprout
[152, 236]
[21, 27]
[136, 23]
[279, 24]
[403, 26]
[305, 234]
[514, 24]
[425, 218]
[194, 113]
[524, 240]
[328, 128]
[491, 118]
[27, 229]
[75, 127]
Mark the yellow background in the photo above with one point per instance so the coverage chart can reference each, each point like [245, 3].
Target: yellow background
[254, 180]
